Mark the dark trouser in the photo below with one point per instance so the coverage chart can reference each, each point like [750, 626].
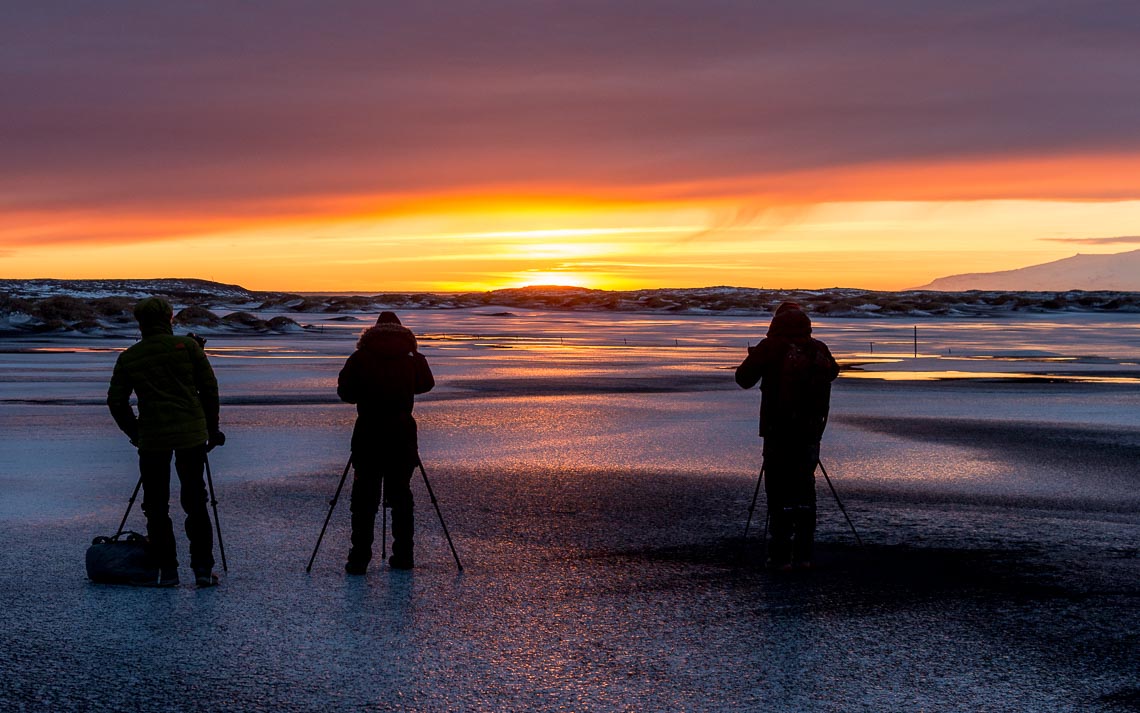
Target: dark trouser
[371, 472]
[789, 471]
[155, 469]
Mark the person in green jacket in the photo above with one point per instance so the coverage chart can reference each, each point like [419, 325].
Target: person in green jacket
[177, 417]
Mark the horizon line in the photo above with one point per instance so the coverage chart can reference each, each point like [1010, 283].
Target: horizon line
[373, 292]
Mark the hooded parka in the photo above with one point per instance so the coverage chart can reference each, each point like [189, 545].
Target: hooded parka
[176, 388]
[382, 377]
[790, 327]
[792, 420]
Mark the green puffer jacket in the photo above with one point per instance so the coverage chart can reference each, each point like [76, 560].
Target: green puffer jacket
[177, 391]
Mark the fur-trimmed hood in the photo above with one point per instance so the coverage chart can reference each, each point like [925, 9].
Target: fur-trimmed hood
[387, 339]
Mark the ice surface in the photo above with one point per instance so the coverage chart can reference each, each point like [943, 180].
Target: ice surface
[595, 472]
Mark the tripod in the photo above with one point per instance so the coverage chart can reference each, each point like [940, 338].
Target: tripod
[130, 504]
[839, 503]
[332, 506]
[384, 525]
[217, 522]
[213, 502]
[435, 502]
[767, 514]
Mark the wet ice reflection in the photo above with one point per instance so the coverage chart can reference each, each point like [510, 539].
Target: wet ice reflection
[647, 394]
[596, 491]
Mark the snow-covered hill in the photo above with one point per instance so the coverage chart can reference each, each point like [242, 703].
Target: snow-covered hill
[1119, 272]
[188, 290]
[105, 306]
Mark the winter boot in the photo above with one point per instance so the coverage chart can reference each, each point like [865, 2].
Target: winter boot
[356, 563]
[402, 561]
[162, 578]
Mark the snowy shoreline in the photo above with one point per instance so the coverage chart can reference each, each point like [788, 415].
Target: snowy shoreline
[104, 306]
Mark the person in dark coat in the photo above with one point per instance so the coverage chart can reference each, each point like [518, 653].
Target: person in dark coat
[382, 378]
[795, 374]
[178, 417]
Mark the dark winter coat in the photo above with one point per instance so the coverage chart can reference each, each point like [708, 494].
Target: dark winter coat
[176, 388]
[765, 363]
[382, 378]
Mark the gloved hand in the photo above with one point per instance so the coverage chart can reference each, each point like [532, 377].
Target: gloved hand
[217, 438]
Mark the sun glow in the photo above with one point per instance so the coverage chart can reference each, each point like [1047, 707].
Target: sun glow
[473, 246]
[539, 278]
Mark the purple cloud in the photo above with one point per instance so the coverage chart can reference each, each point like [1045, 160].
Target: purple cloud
[148, 105]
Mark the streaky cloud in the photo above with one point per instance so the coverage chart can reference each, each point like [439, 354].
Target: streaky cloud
[1125, 239]
[236, 107]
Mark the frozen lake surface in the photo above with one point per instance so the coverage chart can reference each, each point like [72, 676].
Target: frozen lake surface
[595, 471]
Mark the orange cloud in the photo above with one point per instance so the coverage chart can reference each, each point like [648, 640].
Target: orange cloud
[1088, 177]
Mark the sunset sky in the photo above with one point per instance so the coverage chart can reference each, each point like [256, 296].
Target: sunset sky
[373, 146]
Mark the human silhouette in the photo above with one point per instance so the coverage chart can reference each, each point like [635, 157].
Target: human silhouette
[382, 378]
[178, 417]
[795, 373]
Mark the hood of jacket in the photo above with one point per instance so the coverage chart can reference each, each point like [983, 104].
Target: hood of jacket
[153, 315]
[387, 340]
[791, 324]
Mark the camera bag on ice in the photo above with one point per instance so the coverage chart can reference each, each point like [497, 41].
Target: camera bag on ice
[120, 559]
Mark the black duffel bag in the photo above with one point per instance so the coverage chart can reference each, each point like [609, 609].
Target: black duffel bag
[121, 559]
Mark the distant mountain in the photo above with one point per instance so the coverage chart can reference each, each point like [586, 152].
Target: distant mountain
[1117, 272]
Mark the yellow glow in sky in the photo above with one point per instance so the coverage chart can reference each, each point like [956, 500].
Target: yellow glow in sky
[474, 246]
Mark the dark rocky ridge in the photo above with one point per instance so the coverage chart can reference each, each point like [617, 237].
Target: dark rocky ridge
[90, 305]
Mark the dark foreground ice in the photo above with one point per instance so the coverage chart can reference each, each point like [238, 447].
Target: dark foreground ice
[601, 532]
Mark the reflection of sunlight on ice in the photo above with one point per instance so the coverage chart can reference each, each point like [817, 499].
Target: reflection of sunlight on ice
[274, 356]
[986, 375]
[989, 368]
[73, 350]
[637, 394]
[921, 465]
[265, 351]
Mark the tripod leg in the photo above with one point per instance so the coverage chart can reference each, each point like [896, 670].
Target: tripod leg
[764, 539]
[332, 506]
[752, 507]
[130, 505]
[217, 522]
[840, 503]
[438, 512]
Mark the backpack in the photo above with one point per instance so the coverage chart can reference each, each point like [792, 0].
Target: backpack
[803, 394]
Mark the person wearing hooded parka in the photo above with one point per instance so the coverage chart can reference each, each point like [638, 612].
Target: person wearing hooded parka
[795, 373]
[177, 417]
[382, 377]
